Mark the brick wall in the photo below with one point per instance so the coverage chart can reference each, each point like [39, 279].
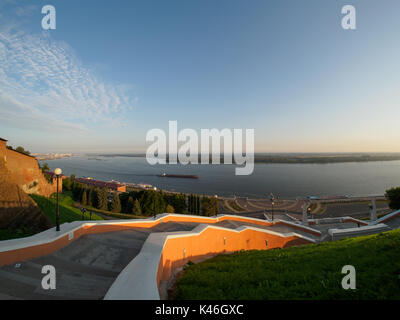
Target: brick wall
[26, 173]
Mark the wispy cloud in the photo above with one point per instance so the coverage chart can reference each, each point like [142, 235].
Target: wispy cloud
[26, 10]
[42, 79]
[15, 114]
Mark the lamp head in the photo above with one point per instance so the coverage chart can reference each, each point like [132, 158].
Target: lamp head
[57, 171]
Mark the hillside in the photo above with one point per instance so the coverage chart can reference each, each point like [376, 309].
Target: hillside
[19, 215]
[307, 272]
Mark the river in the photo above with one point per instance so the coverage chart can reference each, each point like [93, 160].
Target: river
[284, 180]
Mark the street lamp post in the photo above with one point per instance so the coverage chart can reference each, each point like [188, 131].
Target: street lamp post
[154, 208]
[272, 204]
[58, 172]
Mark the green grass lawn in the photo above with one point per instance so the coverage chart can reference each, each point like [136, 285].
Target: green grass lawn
[305, 272]
[68, 212]
[8, 234]
[115, 215]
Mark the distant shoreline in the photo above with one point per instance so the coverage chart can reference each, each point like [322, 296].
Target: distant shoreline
[51, 156]
[299, 158]
[289, 181]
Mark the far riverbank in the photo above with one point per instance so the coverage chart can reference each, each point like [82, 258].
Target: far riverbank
[286, 181]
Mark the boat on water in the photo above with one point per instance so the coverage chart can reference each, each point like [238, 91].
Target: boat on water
[185, 176]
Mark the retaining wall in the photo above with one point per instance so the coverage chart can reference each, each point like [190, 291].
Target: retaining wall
[162, 252]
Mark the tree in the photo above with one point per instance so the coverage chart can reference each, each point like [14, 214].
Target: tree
[102, 199]
[197, 205]
[169, 209]
[209, 206]
[136, 210]
[90, 197]
[116, 204]
[95, 197]
[77, 189]
[191, 203]
[177, 201]
[129, 205]
[84, 198]
[45, 167]
[393, 196]
[22, 150]
[67, 184]
[152, 202]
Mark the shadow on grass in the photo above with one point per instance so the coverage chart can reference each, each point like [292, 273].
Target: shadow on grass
[67, 213]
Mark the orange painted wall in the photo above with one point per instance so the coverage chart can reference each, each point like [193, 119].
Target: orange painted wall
[10, 257]
[178, 251]
[210, 244]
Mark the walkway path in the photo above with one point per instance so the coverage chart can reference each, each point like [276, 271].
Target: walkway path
[88, 266]
[85, 269]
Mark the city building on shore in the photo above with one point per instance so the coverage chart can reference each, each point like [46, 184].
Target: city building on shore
[144, 186]
[112, 186]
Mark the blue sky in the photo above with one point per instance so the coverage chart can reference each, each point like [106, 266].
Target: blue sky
[112, 70]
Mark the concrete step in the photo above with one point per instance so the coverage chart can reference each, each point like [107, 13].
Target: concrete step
[20, 287]
[174, 226]
[82, 286]
[228, 224]
[34, 271]
[4, 296]
[88, 251]
[85, 269]
[119, 241]
[66, 265]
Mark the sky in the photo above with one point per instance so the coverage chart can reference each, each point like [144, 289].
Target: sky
[113, 70]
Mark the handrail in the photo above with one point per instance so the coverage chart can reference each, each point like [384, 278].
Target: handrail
[386, 217]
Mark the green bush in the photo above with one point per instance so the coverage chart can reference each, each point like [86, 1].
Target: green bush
[393, 197]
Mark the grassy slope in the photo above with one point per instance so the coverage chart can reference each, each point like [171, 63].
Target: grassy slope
[68, 212]
[307, 272]
[115, 215]
[8, 234]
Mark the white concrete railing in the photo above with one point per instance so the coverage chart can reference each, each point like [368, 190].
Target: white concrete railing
[138, 280]
[297, 225]
[386, 217]
[337, 234]
[42, 238]
[336, 220]
[68, 228]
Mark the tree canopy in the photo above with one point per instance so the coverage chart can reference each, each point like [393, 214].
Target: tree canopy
[393, 196]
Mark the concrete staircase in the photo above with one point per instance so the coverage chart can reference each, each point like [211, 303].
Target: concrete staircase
[85, 269]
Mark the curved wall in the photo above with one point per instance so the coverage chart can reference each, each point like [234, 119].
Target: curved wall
[162, 252]
[177, 251]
